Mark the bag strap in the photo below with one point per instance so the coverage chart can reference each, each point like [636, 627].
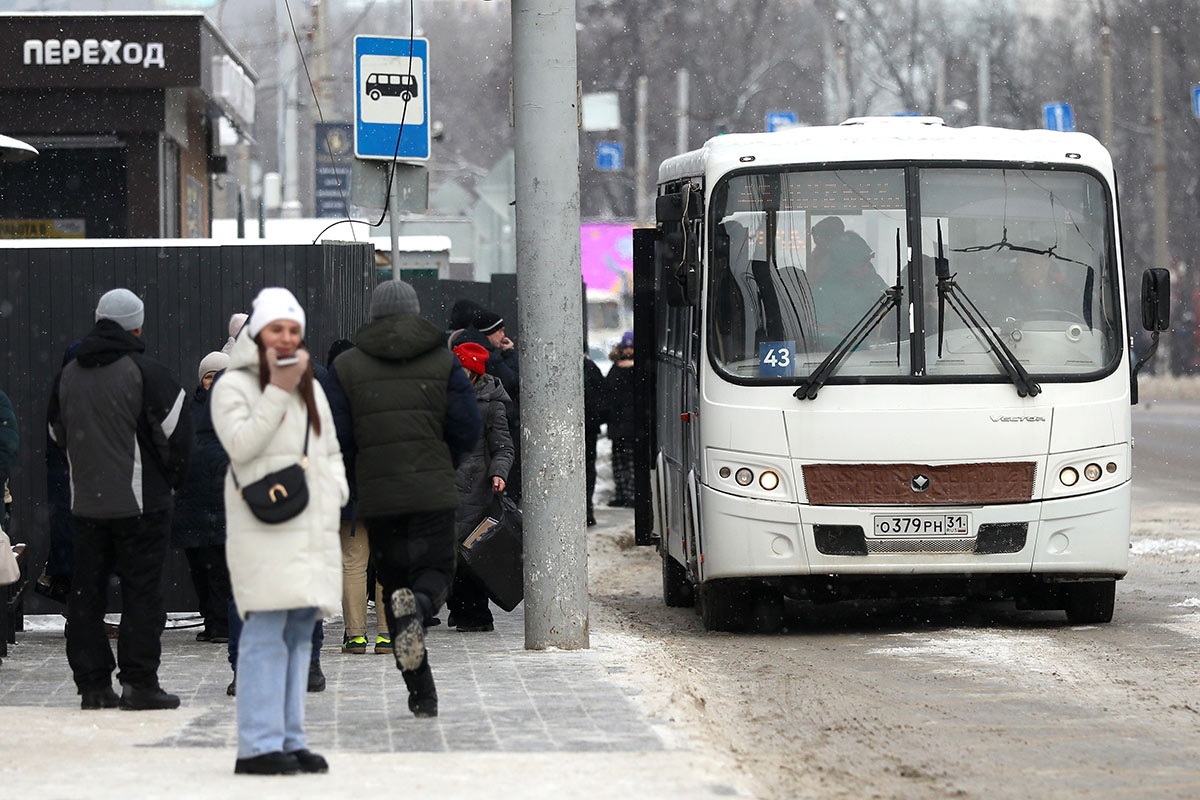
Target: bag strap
[303, 459]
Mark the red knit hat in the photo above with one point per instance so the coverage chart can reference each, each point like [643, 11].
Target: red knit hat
[473, 357]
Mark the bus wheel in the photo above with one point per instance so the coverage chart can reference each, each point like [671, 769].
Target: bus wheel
[768, 610]
[1090, 602]
[727, 605]
[677, 589]
[406, 96]
[374, 94]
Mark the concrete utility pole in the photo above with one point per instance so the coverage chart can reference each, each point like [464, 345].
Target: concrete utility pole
[1162, 257]
[1106, 86]
[984, 79]
[546, 144]
[288, 134]
[641, 183]
[682, 112]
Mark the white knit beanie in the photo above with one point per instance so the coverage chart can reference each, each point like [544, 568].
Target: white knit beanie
[272, 303]
[213, 362]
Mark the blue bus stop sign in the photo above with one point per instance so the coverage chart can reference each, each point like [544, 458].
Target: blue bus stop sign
[1059, 117]
[391, 97]
[610, 156]
[1196, 101]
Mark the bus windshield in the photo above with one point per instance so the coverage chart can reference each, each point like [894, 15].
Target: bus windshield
[805, 263]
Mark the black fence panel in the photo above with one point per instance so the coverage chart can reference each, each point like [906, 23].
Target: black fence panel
[48, 297]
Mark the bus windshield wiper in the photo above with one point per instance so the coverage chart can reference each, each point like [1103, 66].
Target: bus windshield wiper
[949, 291]
[888, 299]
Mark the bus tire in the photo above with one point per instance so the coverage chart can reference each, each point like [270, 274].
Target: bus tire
[374, 94]
[768, 610]
[406, 96]
[726, 605]
[677, 589]
[1091, 602]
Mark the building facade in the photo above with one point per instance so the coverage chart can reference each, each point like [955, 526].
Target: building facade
[125, 110]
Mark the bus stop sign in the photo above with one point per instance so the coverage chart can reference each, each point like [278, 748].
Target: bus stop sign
[391, 98]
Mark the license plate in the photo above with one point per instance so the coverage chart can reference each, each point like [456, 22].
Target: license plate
[923, 525]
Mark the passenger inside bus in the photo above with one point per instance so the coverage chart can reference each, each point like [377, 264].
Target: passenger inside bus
[823, 234]
[847, 289]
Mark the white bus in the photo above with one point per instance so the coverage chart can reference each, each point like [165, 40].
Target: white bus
[886, 358]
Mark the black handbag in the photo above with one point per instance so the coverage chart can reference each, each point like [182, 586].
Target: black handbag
[494, 553]
[280, 495]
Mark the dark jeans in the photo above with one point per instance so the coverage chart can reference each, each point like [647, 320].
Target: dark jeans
[133, 549]
[61, 560]
[589, 459]
[414, 551]
[210, 577]
[235, 632]
[623, 463]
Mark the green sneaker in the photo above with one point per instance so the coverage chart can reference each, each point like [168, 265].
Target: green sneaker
[383, 645]
[355, 644]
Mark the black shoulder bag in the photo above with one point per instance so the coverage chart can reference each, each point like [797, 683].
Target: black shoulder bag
[280, 495]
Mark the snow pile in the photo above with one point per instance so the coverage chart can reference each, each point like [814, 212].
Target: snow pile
[1165, 547]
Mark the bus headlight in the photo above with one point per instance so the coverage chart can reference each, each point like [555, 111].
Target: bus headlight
[1069, 476]
[744, 477]
[1092, 472]
[768, 480]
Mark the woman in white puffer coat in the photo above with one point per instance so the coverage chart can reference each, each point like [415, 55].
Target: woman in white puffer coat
[283, 575]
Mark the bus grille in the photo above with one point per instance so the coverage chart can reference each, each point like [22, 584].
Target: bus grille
[919, 484]
[920, 546]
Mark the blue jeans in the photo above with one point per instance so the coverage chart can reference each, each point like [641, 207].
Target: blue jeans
[235, 632]
[272, 670]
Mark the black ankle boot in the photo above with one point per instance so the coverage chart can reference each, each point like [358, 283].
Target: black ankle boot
[422, 694]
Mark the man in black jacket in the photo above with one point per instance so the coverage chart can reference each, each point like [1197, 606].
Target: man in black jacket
[125, 425]
[414, 416]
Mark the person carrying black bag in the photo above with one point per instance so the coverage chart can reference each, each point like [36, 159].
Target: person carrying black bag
[272, 417]
[482, 474]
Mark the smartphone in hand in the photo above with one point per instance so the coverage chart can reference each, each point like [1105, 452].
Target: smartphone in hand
[287, 361]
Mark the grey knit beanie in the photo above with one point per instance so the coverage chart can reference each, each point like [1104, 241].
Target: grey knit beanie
[123, 307]
[394, 297]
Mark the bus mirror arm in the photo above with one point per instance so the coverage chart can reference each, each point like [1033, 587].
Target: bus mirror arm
[1146, 356]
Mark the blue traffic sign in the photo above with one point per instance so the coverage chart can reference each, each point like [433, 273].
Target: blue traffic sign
[777, 120]
[1196, 101]
[391, 98]
[1058, 117]
[610, 156]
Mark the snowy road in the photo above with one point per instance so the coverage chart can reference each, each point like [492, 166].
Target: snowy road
[950, 699]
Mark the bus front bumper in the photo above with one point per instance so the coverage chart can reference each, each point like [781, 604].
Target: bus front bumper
[1077, 536]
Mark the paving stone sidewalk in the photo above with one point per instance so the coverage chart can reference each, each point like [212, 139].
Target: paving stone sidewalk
[551, 715]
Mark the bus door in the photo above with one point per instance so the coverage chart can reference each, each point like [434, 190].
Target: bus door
[677, 272]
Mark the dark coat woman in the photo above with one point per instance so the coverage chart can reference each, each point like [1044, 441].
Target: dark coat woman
[622, 421]
[492, 457]
[199, 519]
[481, 475]
[198, 524]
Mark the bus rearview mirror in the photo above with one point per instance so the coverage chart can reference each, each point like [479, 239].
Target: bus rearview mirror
[1156, 299]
